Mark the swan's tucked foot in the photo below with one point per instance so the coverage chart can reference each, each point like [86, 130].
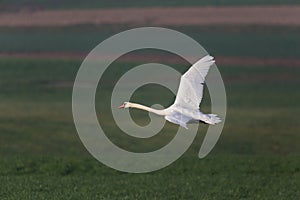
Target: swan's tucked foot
[212, 119]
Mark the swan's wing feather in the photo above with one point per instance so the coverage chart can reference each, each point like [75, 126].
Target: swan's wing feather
[190, 90]
[178, 118]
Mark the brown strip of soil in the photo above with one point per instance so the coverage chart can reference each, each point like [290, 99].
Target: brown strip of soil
[175, 16]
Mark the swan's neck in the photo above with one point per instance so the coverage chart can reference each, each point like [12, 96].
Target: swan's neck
[142, 107]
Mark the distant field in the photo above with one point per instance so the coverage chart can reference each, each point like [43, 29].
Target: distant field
[158, 16]
[36, 115]
[223, 41]
[68, 4]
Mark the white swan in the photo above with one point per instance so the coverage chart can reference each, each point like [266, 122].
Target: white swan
[186, 106]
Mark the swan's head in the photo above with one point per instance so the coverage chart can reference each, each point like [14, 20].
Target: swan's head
[124, 105]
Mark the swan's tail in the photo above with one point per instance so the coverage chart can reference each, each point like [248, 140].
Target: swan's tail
[212, 119]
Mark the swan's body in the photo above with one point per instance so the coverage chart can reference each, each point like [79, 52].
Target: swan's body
[186, 106]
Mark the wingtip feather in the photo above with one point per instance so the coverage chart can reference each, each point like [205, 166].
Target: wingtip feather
[207, 58]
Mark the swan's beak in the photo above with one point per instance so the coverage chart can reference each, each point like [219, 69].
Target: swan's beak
[122, 106]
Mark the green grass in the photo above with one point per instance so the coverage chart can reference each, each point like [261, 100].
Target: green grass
[7, 5]
[36, 95]
[257, 156]
[245, 41]
[215, 177]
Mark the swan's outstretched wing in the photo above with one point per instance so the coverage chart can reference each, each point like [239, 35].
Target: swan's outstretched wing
[190, 90]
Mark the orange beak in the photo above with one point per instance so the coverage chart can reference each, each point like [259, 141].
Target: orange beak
[122, 106]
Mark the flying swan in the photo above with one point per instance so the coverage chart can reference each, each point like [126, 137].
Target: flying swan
[186, 106]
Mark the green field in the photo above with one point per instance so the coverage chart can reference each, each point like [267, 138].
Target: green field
[215, 177]
[250, 41]
[257, 156]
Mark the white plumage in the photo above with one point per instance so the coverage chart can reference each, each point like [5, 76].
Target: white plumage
[189, 96]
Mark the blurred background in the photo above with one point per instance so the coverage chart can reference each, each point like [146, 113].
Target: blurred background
[256, 45]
